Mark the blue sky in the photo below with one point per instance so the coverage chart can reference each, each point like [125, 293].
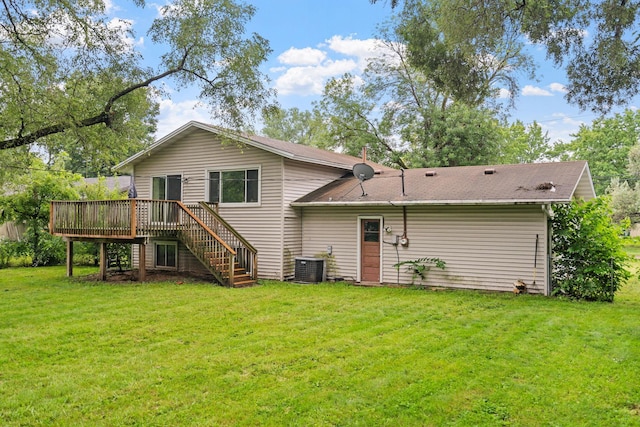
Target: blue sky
[313, 41]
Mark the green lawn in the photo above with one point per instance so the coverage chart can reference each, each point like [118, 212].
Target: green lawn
[86, 353]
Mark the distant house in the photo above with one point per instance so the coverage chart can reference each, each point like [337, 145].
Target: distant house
[209, 200]
[120, 183]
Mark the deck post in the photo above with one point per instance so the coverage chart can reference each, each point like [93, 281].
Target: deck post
[255, 266]
[133, 218]
[142, 262]
[103, 261]
[232, 262]
[69, 257]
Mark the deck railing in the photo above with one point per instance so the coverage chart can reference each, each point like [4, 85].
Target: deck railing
[126, 219]
[93, 219]
[210, 238]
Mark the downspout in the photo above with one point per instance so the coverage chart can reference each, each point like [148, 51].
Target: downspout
[548, 214]
[404, 241]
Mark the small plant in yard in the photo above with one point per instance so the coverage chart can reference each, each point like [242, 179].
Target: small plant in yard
[10, 250]
[589, 258]
[419, 268]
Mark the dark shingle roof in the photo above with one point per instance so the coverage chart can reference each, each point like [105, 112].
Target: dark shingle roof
[285, 149]
[521, 183]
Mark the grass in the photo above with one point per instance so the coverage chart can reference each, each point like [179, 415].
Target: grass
[75, 352]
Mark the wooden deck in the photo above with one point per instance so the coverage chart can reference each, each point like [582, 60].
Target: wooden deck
[220, 248]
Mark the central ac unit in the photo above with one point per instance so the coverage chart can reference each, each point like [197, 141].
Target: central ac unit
[309, 270]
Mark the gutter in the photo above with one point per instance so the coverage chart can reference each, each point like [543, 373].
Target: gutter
[430, 203]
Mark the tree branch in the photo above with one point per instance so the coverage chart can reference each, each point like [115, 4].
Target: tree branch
[104, 117]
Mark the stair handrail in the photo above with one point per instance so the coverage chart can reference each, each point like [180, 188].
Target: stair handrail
[203, 225]
[199, 249]
[228, 226]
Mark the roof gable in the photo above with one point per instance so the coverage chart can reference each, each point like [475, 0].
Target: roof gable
[284, 149]
[498, 184]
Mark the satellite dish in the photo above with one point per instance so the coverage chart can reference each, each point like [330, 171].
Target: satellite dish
[363, 171]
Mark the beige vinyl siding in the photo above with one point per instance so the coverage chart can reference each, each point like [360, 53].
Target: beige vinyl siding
[292, 247]
[299, 180]
[302, 178]
[584, 189]
[484, 247]
[335, 227]
[199, 152]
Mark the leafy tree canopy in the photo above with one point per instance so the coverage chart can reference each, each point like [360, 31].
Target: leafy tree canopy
[28, 201]
[524, 144]
[295, 125]
[589, 260]
[595, 41]
[606, 145]
[406, 117]
[69, 65]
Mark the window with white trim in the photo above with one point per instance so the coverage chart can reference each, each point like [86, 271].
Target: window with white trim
[234, 186]
[166, 255]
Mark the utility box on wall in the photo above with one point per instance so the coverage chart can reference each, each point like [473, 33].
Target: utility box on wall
[309, 270]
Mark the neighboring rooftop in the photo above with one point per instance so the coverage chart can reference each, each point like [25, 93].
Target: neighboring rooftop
[495, 184]
[112, 182]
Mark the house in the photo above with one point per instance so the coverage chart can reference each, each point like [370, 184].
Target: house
[246, 207]
[248, 184]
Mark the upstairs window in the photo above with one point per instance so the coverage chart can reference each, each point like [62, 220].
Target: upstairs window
[234, 186]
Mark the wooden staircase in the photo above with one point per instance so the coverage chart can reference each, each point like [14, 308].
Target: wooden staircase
[232, 260]
[241, 278]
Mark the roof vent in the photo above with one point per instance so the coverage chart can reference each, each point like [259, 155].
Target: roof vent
[546, 186]
[430, 173]
[489, 171]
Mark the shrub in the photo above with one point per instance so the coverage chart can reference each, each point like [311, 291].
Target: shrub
[589, 258]
[419, 268]
[51, 251]
[10, 250]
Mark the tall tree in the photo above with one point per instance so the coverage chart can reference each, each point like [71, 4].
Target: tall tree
[460, 54]
[524, 144]
[606, 145]
[93, 151]
[28, 202]
[406, 119]
[295, 125]
[595, 41]
[67, 65]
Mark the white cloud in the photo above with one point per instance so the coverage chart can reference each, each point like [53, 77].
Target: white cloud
[305, 56]
[561, 127]
[558, 87]
[311, 80]
[110, 7]
[123, 28]
[504, 93]
[361, 49]
[305, 71]
[530, 90]
[173, 115]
